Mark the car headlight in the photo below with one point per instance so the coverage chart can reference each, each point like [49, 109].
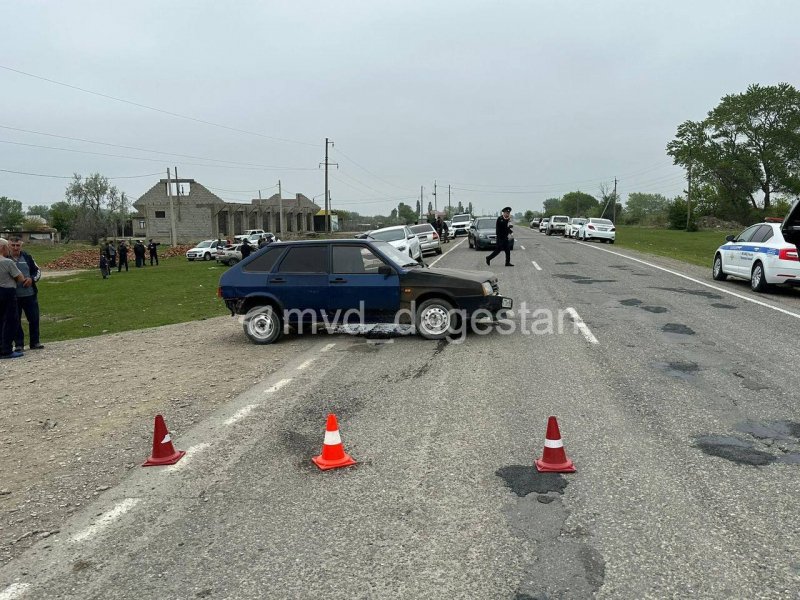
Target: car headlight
[487, 288]
[482, 235]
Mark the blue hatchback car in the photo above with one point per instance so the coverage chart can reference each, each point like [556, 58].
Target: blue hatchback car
[349, 281]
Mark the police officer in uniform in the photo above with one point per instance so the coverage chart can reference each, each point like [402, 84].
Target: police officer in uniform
[503, 232]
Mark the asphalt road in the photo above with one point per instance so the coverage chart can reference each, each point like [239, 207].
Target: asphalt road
[676, 399]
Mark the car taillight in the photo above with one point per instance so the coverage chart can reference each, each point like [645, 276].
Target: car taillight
[435, 235]
[612, 229]
[787, 254]
[590, 227]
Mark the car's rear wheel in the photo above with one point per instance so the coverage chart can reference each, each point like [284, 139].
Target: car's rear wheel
[758, 282]
[262, 325]
[434, 319]
[232, 261]
[610, 241]
[716, 272]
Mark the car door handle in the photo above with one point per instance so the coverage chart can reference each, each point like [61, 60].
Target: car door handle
[277, 280]
[339, 280]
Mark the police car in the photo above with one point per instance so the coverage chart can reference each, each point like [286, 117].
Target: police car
[761, 254]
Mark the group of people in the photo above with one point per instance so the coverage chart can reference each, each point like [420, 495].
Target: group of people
[117, 256]
[442, 229]
[18, 294]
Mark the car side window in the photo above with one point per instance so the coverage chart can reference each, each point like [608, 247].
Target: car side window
[263, 263]
[355, 259]
[305, 259]
[747, 234]
[762, 235]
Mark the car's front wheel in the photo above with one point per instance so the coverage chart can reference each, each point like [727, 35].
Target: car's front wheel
[758, 282]
[262, 325]
[716, 272]
[207, 256]
[434, 319]
[439, 250]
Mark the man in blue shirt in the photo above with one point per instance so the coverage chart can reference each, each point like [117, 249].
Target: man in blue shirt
[27, 296]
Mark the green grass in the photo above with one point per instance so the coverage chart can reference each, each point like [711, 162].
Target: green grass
[695, 247]
[85, 304]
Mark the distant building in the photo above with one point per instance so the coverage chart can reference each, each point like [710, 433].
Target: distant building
[200, 214]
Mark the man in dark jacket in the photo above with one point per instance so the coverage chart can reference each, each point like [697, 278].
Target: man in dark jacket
[153, 248]
[27, 296]
[122, 250]
[245, 249]
[503, 231]
[138, 253]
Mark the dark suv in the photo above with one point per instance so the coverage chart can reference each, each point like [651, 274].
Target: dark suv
[341, 282]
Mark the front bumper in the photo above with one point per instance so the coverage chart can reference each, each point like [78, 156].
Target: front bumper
[492, 304]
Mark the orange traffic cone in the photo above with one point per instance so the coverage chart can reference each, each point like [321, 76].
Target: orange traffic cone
[163, 451]
[554, 459]
[333, 454]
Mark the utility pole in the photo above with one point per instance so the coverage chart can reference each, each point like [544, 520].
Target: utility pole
[614, 207]
[449, 203]
[420, 202]
[280, 203]
[327, 193]
[689, 196]
[173, 237]
[435, 207]
[177, 196]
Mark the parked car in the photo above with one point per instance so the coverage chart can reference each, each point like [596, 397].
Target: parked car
[543, 224]
[597, 229]
[205, 250]
[428, 238]
[400, 237]
[460, 224]
[761, 254]
[574, 225]
[229, 255]
[312, 282]
[557, 224]
[250, 234]
[482, 234]
[535, 223]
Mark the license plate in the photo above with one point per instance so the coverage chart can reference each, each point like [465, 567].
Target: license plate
[507, 302]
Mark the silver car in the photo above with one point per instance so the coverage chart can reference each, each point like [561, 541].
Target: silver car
[428, 238]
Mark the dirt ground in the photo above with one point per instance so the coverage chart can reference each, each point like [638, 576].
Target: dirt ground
[76, 416]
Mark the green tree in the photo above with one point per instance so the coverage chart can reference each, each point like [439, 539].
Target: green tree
[92, 197]
[748, 145]
[41, 210]
[528, 216]
[406, 214]
[578, 204]
[62, 216]
[645, 209]
[11, 215]
[552, 206]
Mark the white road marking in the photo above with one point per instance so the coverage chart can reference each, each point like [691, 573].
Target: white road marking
[241, 414]
[441, 256]
[106, 519]
[191, 453]
[15, 590]
[582, 327]
[692, 279]
[305, 365]
[522, 247]
[328, 347]
[538, 268]
[277, 386]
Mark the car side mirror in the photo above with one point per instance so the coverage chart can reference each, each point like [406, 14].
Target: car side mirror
[411, 237]
[730, 238]
[385, 270]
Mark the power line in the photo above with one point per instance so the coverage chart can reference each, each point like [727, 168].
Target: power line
[363, 168]
[110, 145]
[72, 176]
[159, 110]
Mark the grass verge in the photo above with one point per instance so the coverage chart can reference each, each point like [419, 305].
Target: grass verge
[695, 247]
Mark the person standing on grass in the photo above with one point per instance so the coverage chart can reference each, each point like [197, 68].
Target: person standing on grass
[123, 255]
[111, 255]
[138, 253]
[105, 271]
[245, 249]
[27, 296]
[10, 276]
[152, 247]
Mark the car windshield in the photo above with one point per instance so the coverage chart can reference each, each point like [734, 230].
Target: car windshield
[204, 244]
[399, 259]
[485, 223]
[421, 228]
[389, 235]
[578, 221]
[560, 219]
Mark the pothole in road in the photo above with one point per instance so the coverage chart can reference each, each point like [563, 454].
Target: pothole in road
[773, 441]
[682, 370]
[654, 309]
[721, 305]
[678, 328]
[524, 480]
[631, 302]
[567, 263]
[702, 293]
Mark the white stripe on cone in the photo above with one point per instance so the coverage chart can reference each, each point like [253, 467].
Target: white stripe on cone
[553, 443]
[166, 439]
[332, 438]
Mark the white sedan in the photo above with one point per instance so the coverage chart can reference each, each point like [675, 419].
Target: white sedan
[574, 226]
[402, 238]
[597, 229]
[760, 254]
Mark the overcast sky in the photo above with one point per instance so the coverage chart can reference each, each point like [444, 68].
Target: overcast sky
[508, 102]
